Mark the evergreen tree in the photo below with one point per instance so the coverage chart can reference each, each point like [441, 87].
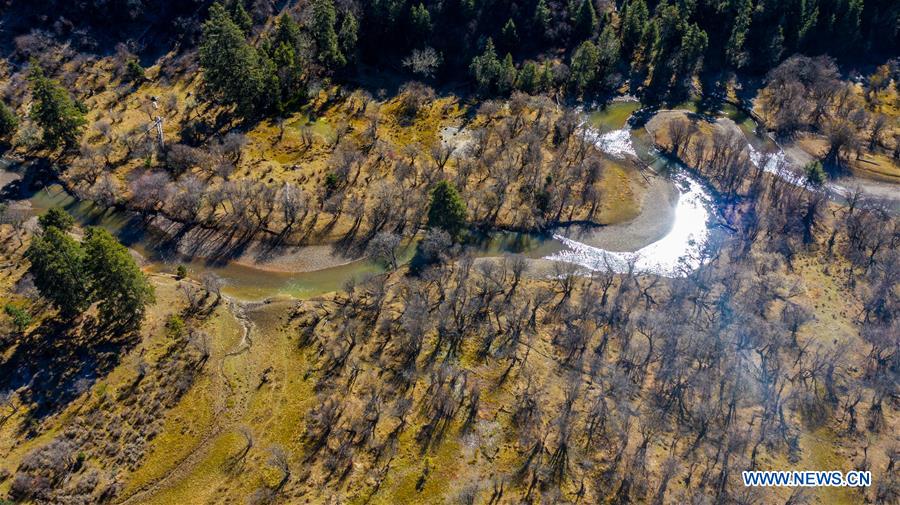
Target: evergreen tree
[507, 75]
[57, 265]
[60, 117]
[542, 19]
[608, 50]
[527, 80]
[115, 280]
[447, 210]
[510, 35]
[287, 32]
[232, 68]
[694, 42]
[584, 66]
[486, 68]
[58, 218]
[677, 49]
[420, 22]
[239, 15]
[545, 78]
[815, 173]
[585, 20]
[8, 121]
[134, 72]
[734, 50]
[285, 47]
[322, 29]
[349, 36]
[20, 317]
[634, 23]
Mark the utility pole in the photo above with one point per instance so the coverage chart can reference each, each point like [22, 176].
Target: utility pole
[159, 132]
[158, 124]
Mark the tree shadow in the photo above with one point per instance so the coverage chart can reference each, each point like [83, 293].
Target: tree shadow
[58, 361]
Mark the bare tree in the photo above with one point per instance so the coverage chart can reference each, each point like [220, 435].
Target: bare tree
[150, 191]
[383, 248]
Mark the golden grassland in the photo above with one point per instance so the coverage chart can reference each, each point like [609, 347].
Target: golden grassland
[264, 384]
[298, 149]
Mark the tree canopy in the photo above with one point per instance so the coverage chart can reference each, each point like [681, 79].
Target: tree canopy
[58, 218]
[8, 121]
[75, 275]
[115, 280]
[54, 110]
[58, 266]
[447, 210]
[233, 69]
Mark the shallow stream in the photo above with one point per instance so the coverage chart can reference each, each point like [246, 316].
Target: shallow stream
[675, 253]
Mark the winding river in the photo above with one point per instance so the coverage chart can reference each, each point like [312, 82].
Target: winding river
[679, 250]
[676, 252]
[241, 281]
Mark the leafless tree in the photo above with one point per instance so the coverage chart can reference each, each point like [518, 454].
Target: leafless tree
[150, 191]
[383, 248]
[212, 283]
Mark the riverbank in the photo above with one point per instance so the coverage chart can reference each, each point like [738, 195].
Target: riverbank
[220, 247]
[654, 221]
[796, 154]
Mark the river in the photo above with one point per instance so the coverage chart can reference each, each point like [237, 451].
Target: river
[678, 251]
[675, 253]
[241, 281]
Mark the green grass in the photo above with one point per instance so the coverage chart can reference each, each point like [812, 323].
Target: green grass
[613, 116]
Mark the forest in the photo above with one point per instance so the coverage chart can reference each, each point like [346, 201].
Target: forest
[450, 251]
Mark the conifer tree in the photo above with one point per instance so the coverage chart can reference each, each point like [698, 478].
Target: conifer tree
[233, 70]
[115, 280]
[54, 110]
[57, 265]
[585, 20]
[322, 29]
[486, 68]
[8, 121]
[447, 210]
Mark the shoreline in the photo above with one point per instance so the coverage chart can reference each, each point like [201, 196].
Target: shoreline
[655, 220]
[213, 246]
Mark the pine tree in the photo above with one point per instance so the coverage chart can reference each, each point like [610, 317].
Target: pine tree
[634, 24]
[507, 78]
[232, 68]
[608, 48]
[510, 35]
[8, 121]
[815, 173]
[542, 19]
[322, 28]
[420, 21]
[585, 20]
[527, 80]
[20, 317]
[60, 117]
[486, 68]
[546, 81]
[240, 16]
[57, 265]
[115, 280]
[287, 32]
[694, 42]
[134, 72]
[58, 218]
[584, 65]
[447, 210]
[349, 36]
[734, 50]
[285, 49]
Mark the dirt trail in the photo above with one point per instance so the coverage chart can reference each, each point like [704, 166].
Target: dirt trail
[224, 415]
